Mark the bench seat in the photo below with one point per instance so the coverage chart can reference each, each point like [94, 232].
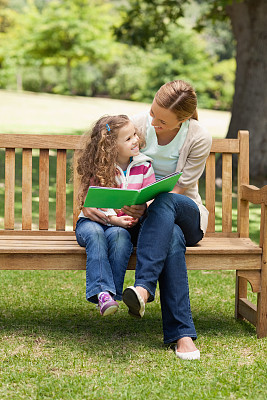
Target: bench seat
[30, 250]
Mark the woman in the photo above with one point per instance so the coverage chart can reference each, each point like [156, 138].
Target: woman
[176, 142]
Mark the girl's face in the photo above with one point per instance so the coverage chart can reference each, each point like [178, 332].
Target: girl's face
[163, 120]
[127, 142]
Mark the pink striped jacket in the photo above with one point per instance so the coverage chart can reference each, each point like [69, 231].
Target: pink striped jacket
[139, 174]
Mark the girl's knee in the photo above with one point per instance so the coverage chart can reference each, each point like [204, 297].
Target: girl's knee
[117, 233]
[89, 232]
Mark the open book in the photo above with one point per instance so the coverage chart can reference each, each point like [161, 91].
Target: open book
[105, 197]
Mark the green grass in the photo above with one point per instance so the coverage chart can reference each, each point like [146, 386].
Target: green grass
[55, 345]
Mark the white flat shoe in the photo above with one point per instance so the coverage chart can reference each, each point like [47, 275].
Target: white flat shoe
[134, 302]
[191, 355]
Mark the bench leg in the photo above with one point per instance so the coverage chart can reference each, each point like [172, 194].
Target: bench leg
[244, 309]
[261, 326]
[241, 290]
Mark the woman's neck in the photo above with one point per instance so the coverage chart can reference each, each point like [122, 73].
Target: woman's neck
[166, 137]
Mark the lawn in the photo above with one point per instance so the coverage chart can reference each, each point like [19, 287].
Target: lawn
[55, 345]
[46, 113]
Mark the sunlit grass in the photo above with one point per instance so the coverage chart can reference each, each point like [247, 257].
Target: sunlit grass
[55, 345]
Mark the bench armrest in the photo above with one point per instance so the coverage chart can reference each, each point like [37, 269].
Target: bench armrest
[258, 196]
[253, 194]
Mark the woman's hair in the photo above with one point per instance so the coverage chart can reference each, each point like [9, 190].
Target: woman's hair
[180, 98]
[99, 154]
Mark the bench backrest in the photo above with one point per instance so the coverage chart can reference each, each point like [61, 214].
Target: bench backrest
[62, 144]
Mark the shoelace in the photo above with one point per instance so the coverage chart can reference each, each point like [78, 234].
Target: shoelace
[104, 298]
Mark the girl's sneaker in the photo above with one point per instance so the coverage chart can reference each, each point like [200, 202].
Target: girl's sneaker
[107, 305]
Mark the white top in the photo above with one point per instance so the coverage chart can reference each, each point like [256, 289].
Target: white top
[165, 158]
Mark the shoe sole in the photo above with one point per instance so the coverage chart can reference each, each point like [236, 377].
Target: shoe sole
[109, 311]
[193, 355]
[133, 302]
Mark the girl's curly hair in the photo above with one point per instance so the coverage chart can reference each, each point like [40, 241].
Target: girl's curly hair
[97, 159]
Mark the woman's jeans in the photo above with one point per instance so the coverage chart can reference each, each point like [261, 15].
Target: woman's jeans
[171, 224]
[108, 249]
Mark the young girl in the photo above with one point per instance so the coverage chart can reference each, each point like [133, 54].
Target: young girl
[110, 157]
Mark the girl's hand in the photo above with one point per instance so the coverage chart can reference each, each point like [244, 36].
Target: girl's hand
[135, 211]
[134, 221]
[96, 215]
[124, 221]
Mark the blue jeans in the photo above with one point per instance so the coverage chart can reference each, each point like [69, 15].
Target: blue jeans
[171, 224]
[108, 249]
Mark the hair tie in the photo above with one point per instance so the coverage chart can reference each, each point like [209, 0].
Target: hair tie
[108, 127]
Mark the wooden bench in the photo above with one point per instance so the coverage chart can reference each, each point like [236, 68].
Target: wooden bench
[28, 247]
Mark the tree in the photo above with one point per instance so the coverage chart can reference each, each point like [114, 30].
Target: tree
[66, 33]
[146, 22]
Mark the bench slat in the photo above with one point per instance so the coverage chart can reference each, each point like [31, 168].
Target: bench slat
[61, 190]
[210, 191]
[227, 192]
[27, 189]
[44, 189]
[243, 179]
[9, 188]
[25, 141]
[76, 184]
[205, 246]
[225, 146]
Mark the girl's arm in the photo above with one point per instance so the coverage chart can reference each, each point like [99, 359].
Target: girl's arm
[125, 221]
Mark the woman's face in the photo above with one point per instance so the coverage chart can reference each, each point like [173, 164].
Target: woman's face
[163, 120]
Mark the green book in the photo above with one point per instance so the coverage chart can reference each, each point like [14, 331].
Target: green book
[105, 197]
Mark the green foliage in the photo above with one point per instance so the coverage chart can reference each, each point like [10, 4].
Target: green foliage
[146, 22]
[138, 74]
[146, 19]
[67, 48]
[64, 34]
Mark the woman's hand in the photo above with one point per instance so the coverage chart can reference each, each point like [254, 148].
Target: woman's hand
[178, 190]
[96, 215]
[135, 211]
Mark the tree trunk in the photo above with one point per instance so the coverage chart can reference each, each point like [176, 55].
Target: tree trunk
[249, 110]
[69, 77]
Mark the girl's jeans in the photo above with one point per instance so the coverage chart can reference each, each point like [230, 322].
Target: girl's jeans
[108, 249]
[171, 224]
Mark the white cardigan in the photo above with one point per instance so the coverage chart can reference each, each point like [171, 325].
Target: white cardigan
[192, 160]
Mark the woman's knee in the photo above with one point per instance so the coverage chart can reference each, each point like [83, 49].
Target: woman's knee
[178, 241]
[168, 201]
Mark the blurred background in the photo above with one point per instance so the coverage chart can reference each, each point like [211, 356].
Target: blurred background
[93, 51]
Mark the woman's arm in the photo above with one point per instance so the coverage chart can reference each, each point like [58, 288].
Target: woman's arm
[96, 215]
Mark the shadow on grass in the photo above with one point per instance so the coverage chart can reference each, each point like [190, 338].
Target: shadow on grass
[211, 325]
[83, 329]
